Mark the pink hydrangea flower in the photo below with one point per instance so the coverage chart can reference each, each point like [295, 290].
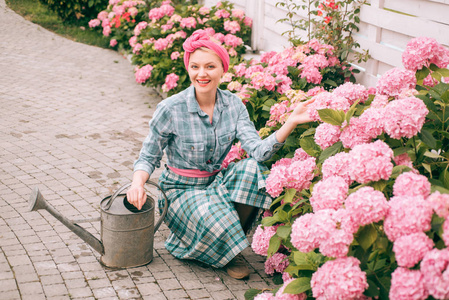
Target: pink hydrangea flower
[439, 203]
[338, 165]
[300, 154]
[352, 92]
[235, 154]
[301, 173]
[234, 86]
[248, 72]
[265, 296]
[142, 74]
[316, 60]
[411, 184]
[373, 120]
[281, 296]
[337, 279]
[231, 26]
[407, 285]
[107, 30]
[308, 232]
[232, 40]
[327, 100]
[162, 44]
[337, 244]
[403, 160]
[248, 21]
[371, 162]
[94, 23]
[238, 13]
[326, 135]
[261, 239]
[102, 15]
[410, 249]
[366, 206]
[404, 117]
[139, 27]
[189, 22]
[276, 263]
[311, 74]
[171, 81]
[204, 10]
[329, 193]
[261, 80]
[137, 47]
[113, 43]
[423, 51]
[286, 276]
[222, 13]
[355, 133]
[407, 215]
[315, 91]
[394, 81]
[175, 55]
[435, 268]
[379, 101]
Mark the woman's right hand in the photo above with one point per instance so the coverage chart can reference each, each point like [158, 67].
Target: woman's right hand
[136, 194]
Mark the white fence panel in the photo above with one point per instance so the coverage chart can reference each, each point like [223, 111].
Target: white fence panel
[385, 29]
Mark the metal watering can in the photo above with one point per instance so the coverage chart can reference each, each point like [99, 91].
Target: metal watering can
[127, 234]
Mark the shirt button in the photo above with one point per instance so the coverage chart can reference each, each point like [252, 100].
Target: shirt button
[211, 150]
[193, 148]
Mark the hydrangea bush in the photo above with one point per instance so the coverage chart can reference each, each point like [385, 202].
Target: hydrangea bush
[272, 86]
[361, 210]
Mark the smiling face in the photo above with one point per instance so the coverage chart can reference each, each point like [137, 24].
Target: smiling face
[205, 71]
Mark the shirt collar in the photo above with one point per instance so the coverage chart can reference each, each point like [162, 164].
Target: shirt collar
[193, 106]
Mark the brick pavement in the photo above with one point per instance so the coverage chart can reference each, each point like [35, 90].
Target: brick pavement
[72, 122]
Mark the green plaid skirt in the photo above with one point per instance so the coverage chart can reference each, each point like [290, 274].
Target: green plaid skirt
[202, 219]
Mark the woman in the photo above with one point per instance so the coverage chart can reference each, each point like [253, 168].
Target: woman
[210, 208]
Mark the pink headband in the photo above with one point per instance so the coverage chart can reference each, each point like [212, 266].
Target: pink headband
[201, 39]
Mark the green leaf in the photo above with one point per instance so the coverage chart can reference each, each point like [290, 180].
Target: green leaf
[275, 243]
[270, 221]
[367, 236]
[426, 136]
[252, 293]
[284, 231]
[421, 74]
[444, 177]
[330, 151]
[309, 146]
[298, 286]
[399, 151]
[331, 116]
[289, 195]
[308, 132]
[330, 82]
[445, 97]
[351, 111]
[398, 170]
[372, 290]
[379, 185]
[427, 167]
[432, 155]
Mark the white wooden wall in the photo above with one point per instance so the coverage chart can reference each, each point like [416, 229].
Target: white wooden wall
[385, 29]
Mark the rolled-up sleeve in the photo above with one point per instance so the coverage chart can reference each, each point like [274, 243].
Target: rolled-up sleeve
[161, 131]
[260, 150]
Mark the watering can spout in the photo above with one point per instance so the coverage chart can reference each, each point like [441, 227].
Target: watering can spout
[37, 201]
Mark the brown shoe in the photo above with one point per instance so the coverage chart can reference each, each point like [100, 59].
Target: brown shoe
[237, 268]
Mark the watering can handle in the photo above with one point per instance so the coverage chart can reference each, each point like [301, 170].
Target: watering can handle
[164, 212]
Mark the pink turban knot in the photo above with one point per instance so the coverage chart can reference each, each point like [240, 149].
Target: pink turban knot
[201, 39]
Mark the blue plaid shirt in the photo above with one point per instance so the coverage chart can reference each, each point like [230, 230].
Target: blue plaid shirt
[191, 142]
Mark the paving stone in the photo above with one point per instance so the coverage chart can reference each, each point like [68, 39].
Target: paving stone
[199, 294]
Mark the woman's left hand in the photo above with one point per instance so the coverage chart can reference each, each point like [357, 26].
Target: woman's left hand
[300, 114]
